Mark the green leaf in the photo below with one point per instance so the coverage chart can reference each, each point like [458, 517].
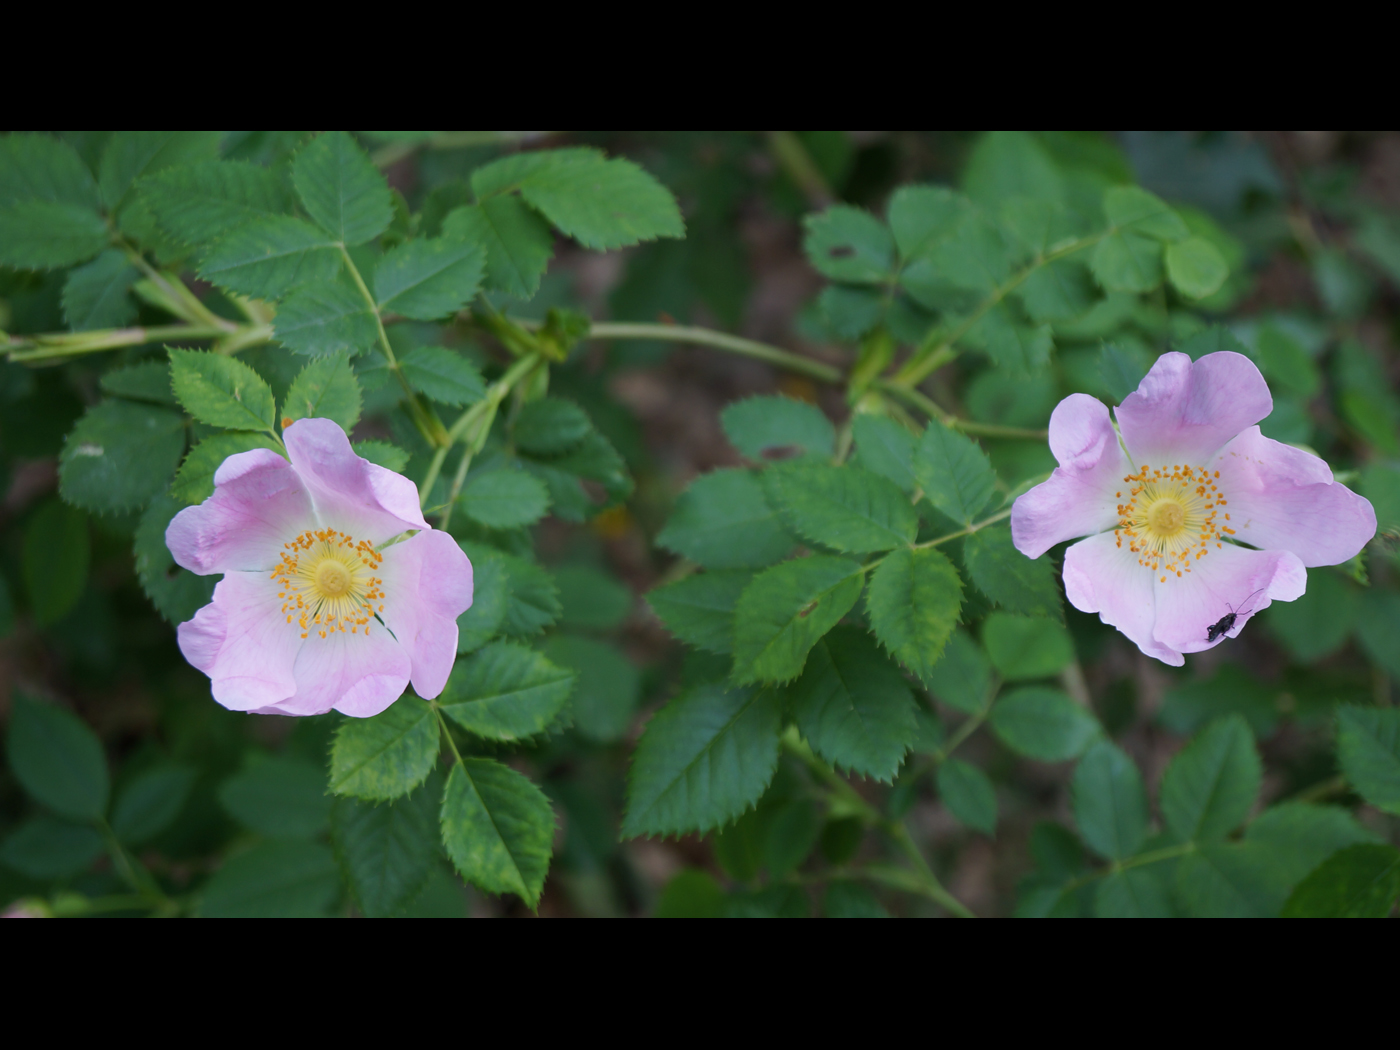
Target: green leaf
[44, 235]
[1196, 268]
[199, 203]
[274, 880]
[921, 215]
[518, 242]
[962, 679]
[176, 592]
[388, 456]
[1021, 647]
[95, 295]
[1006, 576]
[55, 560]
[150, 803]
[44, 847]
[1230, 690]
[490, 582]
[342, 190]
[550, 426]
[1132, 894]
[1122, 370]
[603, 204]
[849, 311]
[914, 600]
[1128, 262]
[1057, 291]
[1013, 347]
[853, 706]
[608, 686]
[498, 828]
[130, 155]
[221, 391]
[282, 798]
[848, 244]
[1368, 747]
[1008, 164]
[1110, 803]
[504, 499]
[505, 692]
[35, 167]
[269, 257]
[691, 894]
[954, 473]
[386, 851]
[1210, 786]
[760, 426]
[700, 609]
[844, 508]
[886, 448]
[786, 610]
[593, 599]
[851, 900]
[1255, 877]
[1359, 882]
[327, 389]
[968, 794]
[593, 460]
[506, 174]
[1133, 208]
[120, 456]
[195, 481]
[703, 760]
[445, 376]
[1043, 724]
[723, 521]
[388, 755]
[148, 381]
[57, 759]
[534, 598]
[326, 317]
[429, 279]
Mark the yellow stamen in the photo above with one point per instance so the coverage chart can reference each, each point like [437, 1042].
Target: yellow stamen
[1169, 519]
[327, 580]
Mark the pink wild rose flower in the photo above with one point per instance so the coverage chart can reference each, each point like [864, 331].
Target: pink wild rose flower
[1169, 508]
[315, 611]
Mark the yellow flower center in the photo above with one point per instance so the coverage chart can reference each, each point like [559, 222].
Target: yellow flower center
[328, 584]
[1171, 517]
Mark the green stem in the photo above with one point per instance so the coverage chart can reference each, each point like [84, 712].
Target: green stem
[976, 527]
[424, 418]
[678, 333]
[446, 731]
[456, 490]
[57, 345]
[797, 162]
[910, 396]
[131, 870]
[929, 358]
[495, 394]
[1142, 859]
[845, 801]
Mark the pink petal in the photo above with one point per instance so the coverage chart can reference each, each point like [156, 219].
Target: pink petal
[1081, 496]
[201, 638]
[357, 674]
[1282, 498]
[1182, 412]
[253, 666]
[351, 494]
[258, 504]
[1100, 577]
[1228, 579]
[444, 593]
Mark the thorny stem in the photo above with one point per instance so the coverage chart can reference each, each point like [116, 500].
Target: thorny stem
[845, 799]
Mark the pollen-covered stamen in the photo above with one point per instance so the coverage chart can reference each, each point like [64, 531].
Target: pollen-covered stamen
[1170, 517]
[327, 583]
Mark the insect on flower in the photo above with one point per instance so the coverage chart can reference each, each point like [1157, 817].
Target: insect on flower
[1189, 511]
